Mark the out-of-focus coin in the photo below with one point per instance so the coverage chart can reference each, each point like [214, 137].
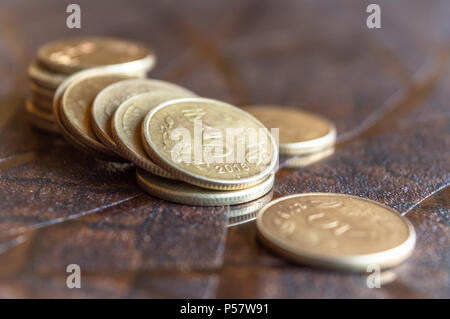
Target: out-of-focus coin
[41, 91]
[45, 78]
[298, 161]
[126, 127]
[75, 108]
[337, 231]
[300, 132]
[188, 138]
[184, 193]
[71, 55]
[42, 103]
[40, 119]
[109, 99]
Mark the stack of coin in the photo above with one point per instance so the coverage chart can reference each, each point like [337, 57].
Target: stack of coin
[113, 114]
[56, 61]
[304, 137]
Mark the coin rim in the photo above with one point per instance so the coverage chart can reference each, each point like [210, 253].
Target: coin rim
[385, 259]
[57, 105]
[195, 179]
[101, 134]
[81, 135]
[303, 147]
[147, 62]
[146, 164]
[198, 198]
[43, 77]
[40, 119]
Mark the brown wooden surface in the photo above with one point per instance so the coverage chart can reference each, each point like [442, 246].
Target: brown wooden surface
[387, 90]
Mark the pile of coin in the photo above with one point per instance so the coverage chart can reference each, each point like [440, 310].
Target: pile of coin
[56, 61]
[95, 93]
[104, 106]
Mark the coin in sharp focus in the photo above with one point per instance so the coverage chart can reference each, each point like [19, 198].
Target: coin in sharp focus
[126, 127]
[71, 55]
[300, 132]
[75, 108]
[40, 119]
[184, 193]
[109, 99]
[45, 78]
[205, 156]
[336, 231]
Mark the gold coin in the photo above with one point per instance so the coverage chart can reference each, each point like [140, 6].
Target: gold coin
[247, 212]
[304, 160]
[336, 230]
[57, 105]
[75, 108]
[41, 91]
[300, 132]
[109, 99]
[188, 138]
[43, 103]
[45, 78]
[126, 127]
[183, 193]
[42, 120]
[72, 55]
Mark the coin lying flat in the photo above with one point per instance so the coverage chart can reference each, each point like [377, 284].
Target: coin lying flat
[298, 161]
[43, 103]
[247, 212]
[40, 119]
[71, 55]
[126, 127]
[187, 137]
[336, 231]
[75, 107]
[184, 193]
[109, 99]
[41, 91]
[300, 132]
[44, 77]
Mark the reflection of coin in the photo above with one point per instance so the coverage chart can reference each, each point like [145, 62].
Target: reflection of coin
[72, 55]
[75, 104]
[184, 193]
[109, 99]
[40, 119]
[45, 77]
[336, 230]
[190, 138]
[126, 127]
[244, 213]
[300, 132]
